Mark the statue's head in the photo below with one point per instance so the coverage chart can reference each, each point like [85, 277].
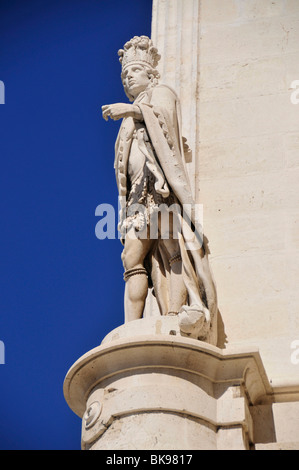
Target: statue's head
[139, 59]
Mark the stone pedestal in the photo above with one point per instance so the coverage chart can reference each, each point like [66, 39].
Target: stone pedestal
[147, 387]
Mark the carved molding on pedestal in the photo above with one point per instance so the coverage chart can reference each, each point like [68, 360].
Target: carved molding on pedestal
[133, 377]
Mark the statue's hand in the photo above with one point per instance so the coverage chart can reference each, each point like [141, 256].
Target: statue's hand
[120, 110]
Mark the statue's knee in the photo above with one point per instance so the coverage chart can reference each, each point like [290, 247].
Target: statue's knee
[132, 258]
[128, 260]
[123, 258]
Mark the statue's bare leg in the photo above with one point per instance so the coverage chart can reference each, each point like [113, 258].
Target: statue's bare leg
[136, 288]
[177, 288]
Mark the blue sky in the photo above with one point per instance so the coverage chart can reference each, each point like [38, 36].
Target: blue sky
[61, 287]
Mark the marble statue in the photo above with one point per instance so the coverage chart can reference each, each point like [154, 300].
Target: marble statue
[171, 259]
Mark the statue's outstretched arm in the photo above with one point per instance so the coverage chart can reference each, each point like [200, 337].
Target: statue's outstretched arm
[121, 110]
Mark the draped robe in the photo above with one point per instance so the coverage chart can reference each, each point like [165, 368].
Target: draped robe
[161, 114]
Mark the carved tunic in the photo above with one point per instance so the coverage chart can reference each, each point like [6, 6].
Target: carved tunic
[147, 186]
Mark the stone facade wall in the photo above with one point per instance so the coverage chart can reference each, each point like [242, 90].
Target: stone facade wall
[249, 170]
[235, 87]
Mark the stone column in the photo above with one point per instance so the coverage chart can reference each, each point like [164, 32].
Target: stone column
[175, 32]
[147, 387]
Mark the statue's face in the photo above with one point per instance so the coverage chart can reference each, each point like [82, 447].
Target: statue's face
[135, 79]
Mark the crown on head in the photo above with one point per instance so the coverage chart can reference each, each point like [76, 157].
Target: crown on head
[139, 49]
